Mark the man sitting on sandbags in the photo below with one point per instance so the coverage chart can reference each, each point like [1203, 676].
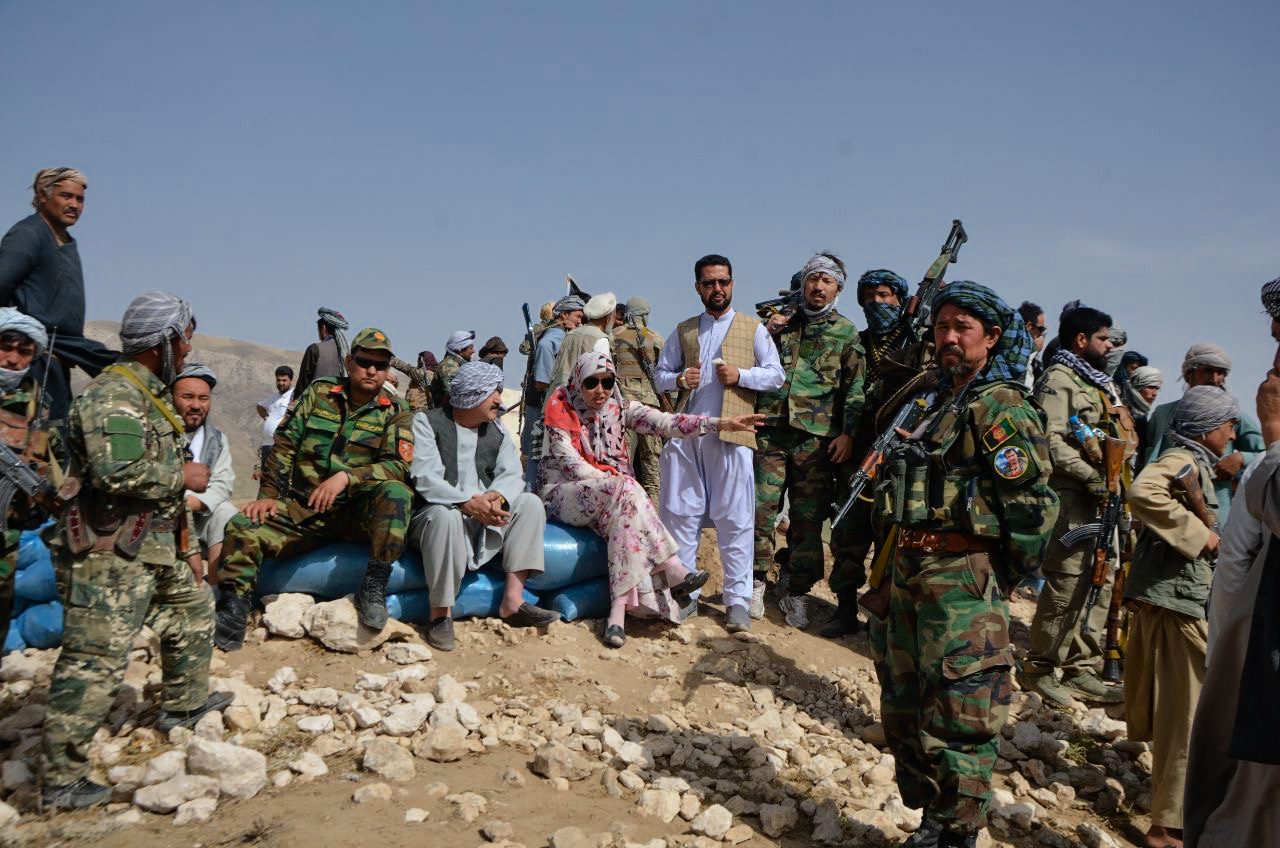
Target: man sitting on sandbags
[211, 510]
[467, 469]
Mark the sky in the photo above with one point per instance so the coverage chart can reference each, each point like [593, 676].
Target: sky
[427, 167]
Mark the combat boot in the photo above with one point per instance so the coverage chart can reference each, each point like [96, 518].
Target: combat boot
[371, 599]
[169, 719]
[1047, 686]
[1089, 687]
[951, 839]
[79, 795]
[926, 835]
[844, 621]
[231, 619]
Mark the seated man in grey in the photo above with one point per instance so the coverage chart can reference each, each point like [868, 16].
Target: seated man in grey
[467, 469]
[212, 508]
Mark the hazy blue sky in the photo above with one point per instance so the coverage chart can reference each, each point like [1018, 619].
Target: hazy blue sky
[427, 167]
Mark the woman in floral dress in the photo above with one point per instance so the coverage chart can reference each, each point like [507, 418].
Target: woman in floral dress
[586, 481]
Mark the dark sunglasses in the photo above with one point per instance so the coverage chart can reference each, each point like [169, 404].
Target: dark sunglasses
[723, 283]
[592, 382]
[366, 362]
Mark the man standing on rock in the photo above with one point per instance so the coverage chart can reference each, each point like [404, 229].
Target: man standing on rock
[337, 471]
[211, 509]
[121, 549]
[717, 361]
[326, 357]
[968, 525]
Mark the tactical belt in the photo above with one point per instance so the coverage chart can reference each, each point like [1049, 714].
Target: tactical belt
[943, 542]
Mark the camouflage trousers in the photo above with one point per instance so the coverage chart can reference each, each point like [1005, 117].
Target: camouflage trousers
[945, 683]
[108, 599]
[8, 570]
[375, 512]
[797, 463]
[644, 461]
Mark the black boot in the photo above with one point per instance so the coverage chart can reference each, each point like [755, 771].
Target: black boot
[80, 795]
[231, 619]
[926, 835]
[951, 839]
[169, 719]
[371, 599]
[844, 621]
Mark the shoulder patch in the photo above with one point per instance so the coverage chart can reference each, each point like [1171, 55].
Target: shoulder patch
[125, 438]
[383, 400]
[1012, 463]
[1002, 431]
[336, 389]
[404, 447]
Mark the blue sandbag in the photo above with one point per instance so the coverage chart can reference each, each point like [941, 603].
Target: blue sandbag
[13, 640]
[32, 550]
[588, 599]
[573, 554]
[42, 625]
[36, 582]
[480, 595]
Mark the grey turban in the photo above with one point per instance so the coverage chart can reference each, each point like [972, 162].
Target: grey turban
[461, 340]
[200, 371]
[1203, 409]
[155, 318]
[637, 307]
[821, 264]
[1206, 354]
[473, 383]
[1145, 377]
[333, 318]
[568, 303]
[12, 319]
[1271, 298]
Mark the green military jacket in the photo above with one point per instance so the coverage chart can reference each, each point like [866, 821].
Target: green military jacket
[979, 466]
[126, 445]
[823, 390]
[443, 378]
[628, 350]
[322, 435]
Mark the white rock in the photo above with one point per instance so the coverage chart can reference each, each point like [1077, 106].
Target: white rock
[281, 779]
[496, 830]
[449, 690]
[173, 793]
[168, 765]
[283, 678]
[284, 615]
[777, 819]
[409, 672]
[611, 739]
[316, 724]
[819, 767]
[1094, 837]
[406, 653]
[444, 744]
[129, 817]
[18, 666]
[468, 805]
[1019, 816]
[372, 792]
[415, 815]
[662, 804]
[406, 719]
[387, 759]
[659, 723]
[366, 717]
[309, 765]
[245, 711]
[322, 696]
[210, 726]
[826, 823]
[370, 682]
[276, 711]
[714, 821]
[555, 760]
[197, 811]
[16, 773]
[241, 772]
[334, 625]
[8, 815]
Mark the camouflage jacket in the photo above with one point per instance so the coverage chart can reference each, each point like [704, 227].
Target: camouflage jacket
[418, 395]
[18, 409]
[127, 447]
[1062, 393]
[627, 353]
[443, 378]
[321, 435]
[980, 467]
[823, 390]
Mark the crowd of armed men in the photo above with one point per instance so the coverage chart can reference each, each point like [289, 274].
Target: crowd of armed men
[967, 458]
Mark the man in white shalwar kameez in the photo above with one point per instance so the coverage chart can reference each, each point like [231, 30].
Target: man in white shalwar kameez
[467, 469]
[717, 361]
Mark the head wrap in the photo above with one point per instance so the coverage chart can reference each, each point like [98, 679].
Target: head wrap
[47, 178]
[638, 307]
[1114, 357]
[1008, 359]
[568, 303]
[1202, 410]
[12, 319]
[1127, 357]
[199, 371]
[882, 317]
[1207, 354]
[1069, 306]
[1271, 298]
[547, 310]
[600, 306]
[821, 264]
[1146, 376]
[427, 360]
[460, 341]
[495, 346]
[473, 383]
[603, 438]
[336, 322]
[155, 318]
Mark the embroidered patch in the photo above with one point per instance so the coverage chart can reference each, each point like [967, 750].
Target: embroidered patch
[1001, 432]
[405, 448]
[1012, 462]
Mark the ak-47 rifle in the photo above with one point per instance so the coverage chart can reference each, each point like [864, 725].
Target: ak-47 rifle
[16, 474]
[528, 365]
[916, 315]
[1105, 532]
[906, 420]
[1117, 614]
[664, 400]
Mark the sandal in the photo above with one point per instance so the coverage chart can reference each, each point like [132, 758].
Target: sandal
[614, 636]
[683, 591]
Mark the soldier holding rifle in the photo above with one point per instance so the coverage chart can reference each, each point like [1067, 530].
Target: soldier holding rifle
[1168, 592]
[636, 349]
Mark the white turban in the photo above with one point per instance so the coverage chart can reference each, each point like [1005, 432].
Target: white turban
[1205, 353]
[473, 383]
[461, 340]
[600, 306]
[12, 319]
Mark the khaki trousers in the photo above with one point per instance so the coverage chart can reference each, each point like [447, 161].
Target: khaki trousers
[1163, 675]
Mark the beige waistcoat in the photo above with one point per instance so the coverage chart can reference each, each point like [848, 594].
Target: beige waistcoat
[738, 349]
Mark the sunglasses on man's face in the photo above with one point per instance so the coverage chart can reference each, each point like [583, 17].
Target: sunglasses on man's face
[367, 362]
[592, 382]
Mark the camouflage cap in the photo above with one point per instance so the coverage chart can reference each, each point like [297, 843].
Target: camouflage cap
[371, 338]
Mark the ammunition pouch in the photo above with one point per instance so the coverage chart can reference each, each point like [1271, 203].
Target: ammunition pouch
[919, 491]
[95, 522]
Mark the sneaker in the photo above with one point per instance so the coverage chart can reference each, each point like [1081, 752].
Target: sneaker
[371, 598]
[795, 608]
[844, 621]
[76, 796]
[169, 719]
[755, 609]
[1048, 687]
[739, 621]
[440, 634]
[1089, 687]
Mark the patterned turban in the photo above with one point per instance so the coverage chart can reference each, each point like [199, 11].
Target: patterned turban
[155, 318]
[473, 383]
[460, 341]
[1008, 359]
[1271, 298]
[822, 264]
[199, 371]
[568, 303]
[1203, 409]
[336, 322]
[12, 319]
[883, 277]
[1207, 354]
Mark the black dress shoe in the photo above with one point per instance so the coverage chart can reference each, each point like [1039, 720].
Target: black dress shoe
[530, 616]
[440, 634]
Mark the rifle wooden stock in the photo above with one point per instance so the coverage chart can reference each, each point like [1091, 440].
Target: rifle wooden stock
[1113, 649]
[1188, 479]
[1105, 546]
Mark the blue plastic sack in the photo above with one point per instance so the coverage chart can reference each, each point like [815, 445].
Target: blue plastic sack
[13, 640]
[573, 554]
[36, 582]
[31, 550]
[42, 625]
[480, 595]
[588, 599]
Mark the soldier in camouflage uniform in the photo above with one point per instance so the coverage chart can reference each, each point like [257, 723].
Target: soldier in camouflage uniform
[635, 355]
[22, 339]
[969, 494]
[460, 348]
[418, 395]
[808, 432]
[338, 471]
[121, 549]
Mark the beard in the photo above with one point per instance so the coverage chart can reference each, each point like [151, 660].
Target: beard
[1097, 360]
[718, 307]
[961, 366]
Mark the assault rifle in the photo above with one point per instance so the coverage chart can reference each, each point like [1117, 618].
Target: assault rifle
[916, 316]
[1188, 479]
[528, 365]
[906, 420]
[664, 400]
[16, 476]
[1105, 532]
